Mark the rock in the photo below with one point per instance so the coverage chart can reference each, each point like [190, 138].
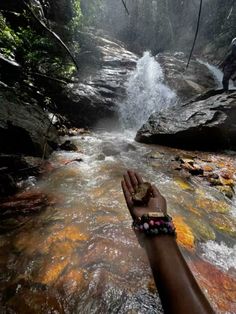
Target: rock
[224, 224]
[8, 185]
[103, 75]
[14, 168]
[211, 206]
[216, 282]
[25, 296]
[202, 229]
[60, 11]
[226, 190]
[24, 127]
[188, 83]
[142, 193]
[101, 157]
[185, 235]
[206, 123]
[23, 204]
[129, 147]
[68, 146]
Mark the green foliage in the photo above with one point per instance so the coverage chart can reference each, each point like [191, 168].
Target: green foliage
[77, 20]
[9, 41]
[33, 47]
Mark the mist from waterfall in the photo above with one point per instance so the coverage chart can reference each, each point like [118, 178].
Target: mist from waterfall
[146, 93]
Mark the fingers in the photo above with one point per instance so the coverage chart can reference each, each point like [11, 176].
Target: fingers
[128, 183]
[127, 195]
[138, 177]
[132, 178]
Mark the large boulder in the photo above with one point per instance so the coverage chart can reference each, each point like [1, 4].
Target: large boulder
[24, 127]
[207, 123]
[187, 83]
[104, 68]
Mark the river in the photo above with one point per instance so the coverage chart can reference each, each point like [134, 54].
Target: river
[79, 255]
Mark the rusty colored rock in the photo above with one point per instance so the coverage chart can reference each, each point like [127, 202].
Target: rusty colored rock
[211, 206]
[216, 283]
[185, 235]
[24, 204]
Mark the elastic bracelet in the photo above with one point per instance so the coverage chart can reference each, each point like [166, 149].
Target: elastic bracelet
[151, 225]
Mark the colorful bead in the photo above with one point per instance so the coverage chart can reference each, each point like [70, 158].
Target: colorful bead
[154, 225]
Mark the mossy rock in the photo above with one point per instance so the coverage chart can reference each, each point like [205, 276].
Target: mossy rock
[224, 224]
[202, 229]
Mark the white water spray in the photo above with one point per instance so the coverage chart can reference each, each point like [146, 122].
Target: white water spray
[146, 93]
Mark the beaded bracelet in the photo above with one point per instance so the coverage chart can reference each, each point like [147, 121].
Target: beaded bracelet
[151, 225]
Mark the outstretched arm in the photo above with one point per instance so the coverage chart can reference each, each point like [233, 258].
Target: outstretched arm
[178, 289]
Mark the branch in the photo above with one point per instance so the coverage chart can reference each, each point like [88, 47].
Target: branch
[52, 34]
[125, 7]
[196, 33]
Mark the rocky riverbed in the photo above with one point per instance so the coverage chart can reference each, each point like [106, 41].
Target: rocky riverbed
[79, 254]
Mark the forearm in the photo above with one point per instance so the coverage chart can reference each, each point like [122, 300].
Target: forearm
[178, 289]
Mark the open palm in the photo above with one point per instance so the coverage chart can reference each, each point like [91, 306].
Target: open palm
[156, 203]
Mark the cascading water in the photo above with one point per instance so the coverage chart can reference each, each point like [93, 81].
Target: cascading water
[146, 93]
[217, 74]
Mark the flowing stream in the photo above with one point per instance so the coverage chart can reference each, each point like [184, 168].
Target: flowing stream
[80, 255]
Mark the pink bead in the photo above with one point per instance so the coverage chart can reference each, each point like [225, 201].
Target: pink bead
[157, 223]
[151, 222]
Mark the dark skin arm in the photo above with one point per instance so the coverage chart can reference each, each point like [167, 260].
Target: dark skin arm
[177, 287]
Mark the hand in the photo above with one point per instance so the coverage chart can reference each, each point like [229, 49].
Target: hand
[156, 203]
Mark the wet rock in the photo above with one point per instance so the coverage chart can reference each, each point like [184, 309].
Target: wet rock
[197, 79]
[14, 169]
[202, 229]
[224, 224]
[77, 131]
[8, 185]
[68, 146]
[185, 235]
[194, 125]
[50, 271]
[29, 297]
[226, 190]
[73, 282]
[216, 283]
[74, 160]
[155, 155]
[183, 184]
[95, 96]
[23, 204]
[24, 127]
[101, 157]
[129, 147]
[211, 206]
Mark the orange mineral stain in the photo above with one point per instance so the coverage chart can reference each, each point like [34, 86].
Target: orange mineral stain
[185, 235]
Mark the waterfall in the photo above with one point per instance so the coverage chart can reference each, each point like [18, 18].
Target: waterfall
[146, 93]
[217, 74]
